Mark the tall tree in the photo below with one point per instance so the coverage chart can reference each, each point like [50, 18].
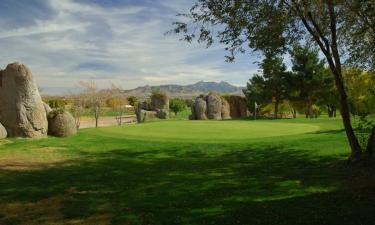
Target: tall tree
[271, 86]
[307, 73]
[327, 95]
[275, 78]
[255, 93]
[93, 98]
[264, 25]
[359, 86]
[360, 33]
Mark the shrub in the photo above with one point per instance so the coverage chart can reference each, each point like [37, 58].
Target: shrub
[177, 105]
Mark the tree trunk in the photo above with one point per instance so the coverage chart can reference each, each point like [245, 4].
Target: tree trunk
[121, 112]
[330, 50]
[309, 110]
[294, 113]
[335, 65]
[276, 108]
[96, 117]
[334, 112]
[330, 111]
[345, 114]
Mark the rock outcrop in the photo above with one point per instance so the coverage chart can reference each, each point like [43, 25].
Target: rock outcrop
[61, 124]
[208, 107]
[238, 106]
[214, 106]
[199, 109]
[160, 104]
[47, 108]
[225, 109]
[144, 115]
[3, 132]
[22, 112]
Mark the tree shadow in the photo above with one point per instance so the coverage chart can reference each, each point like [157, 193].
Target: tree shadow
[184, 185]
[334, 131]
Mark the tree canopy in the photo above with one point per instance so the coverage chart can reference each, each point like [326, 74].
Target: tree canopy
[336, 27]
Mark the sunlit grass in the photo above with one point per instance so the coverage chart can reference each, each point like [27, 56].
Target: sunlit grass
[184, 172]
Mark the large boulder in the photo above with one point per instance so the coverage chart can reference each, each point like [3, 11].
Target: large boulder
[162, 113]
[47, 108]
[144, 115]
[3, 132]
[160, 104]
[145, 106]
[238, 106]
[214, 107]
[200, 109]
[22, 112]
[61, 124]
[225, 109]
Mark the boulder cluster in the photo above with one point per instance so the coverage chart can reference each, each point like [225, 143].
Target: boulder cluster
[22, 111]
[215, 107]
[238, 106]
[160, 104]
[158, 108]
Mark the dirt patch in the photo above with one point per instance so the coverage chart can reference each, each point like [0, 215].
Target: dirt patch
[89, 122]
[45, 157]
[45, 211]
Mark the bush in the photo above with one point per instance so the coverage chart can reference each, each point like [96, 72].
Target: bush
[363, 128]
[55, 112]
[133, 101]
[177, 105]
[57, 103]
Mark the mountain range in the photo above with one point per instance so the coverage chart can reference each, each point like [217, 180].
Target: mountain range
[186, 91]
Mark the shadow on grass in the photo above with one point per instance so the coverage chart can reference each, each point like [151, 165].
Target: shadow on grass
[271, 185]
[334, 131]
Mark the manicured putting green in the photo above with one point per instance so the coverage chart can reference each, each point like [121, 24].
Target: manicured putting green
[209, 131]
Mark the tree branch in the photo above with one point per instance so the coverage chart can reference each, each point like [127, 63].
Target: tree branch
[317, 28]
[333, 29]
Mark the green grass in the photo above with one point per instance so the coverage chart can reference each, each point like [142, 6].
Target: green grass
[186, 172]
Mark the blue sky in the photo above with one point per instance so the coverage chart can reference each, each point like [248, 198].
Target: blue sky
[109, 41]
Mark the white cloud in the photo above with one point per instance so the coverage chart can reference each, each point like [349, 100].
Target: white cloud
[129, 39]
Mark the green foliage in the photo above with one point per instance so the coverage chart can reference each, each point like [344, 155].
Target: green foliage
[133, 101]
[316, 110]
[57, 103]
[256, 92]
[269, 87]
[327, 95]
[177, 105]
[363, 127]
[55, 113]
[273, 26]
[309, 83]
[360, 88]
[360, 33]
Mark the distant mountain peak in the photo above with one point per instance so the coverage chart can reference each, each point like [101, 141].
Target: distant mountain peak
[187, 91]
